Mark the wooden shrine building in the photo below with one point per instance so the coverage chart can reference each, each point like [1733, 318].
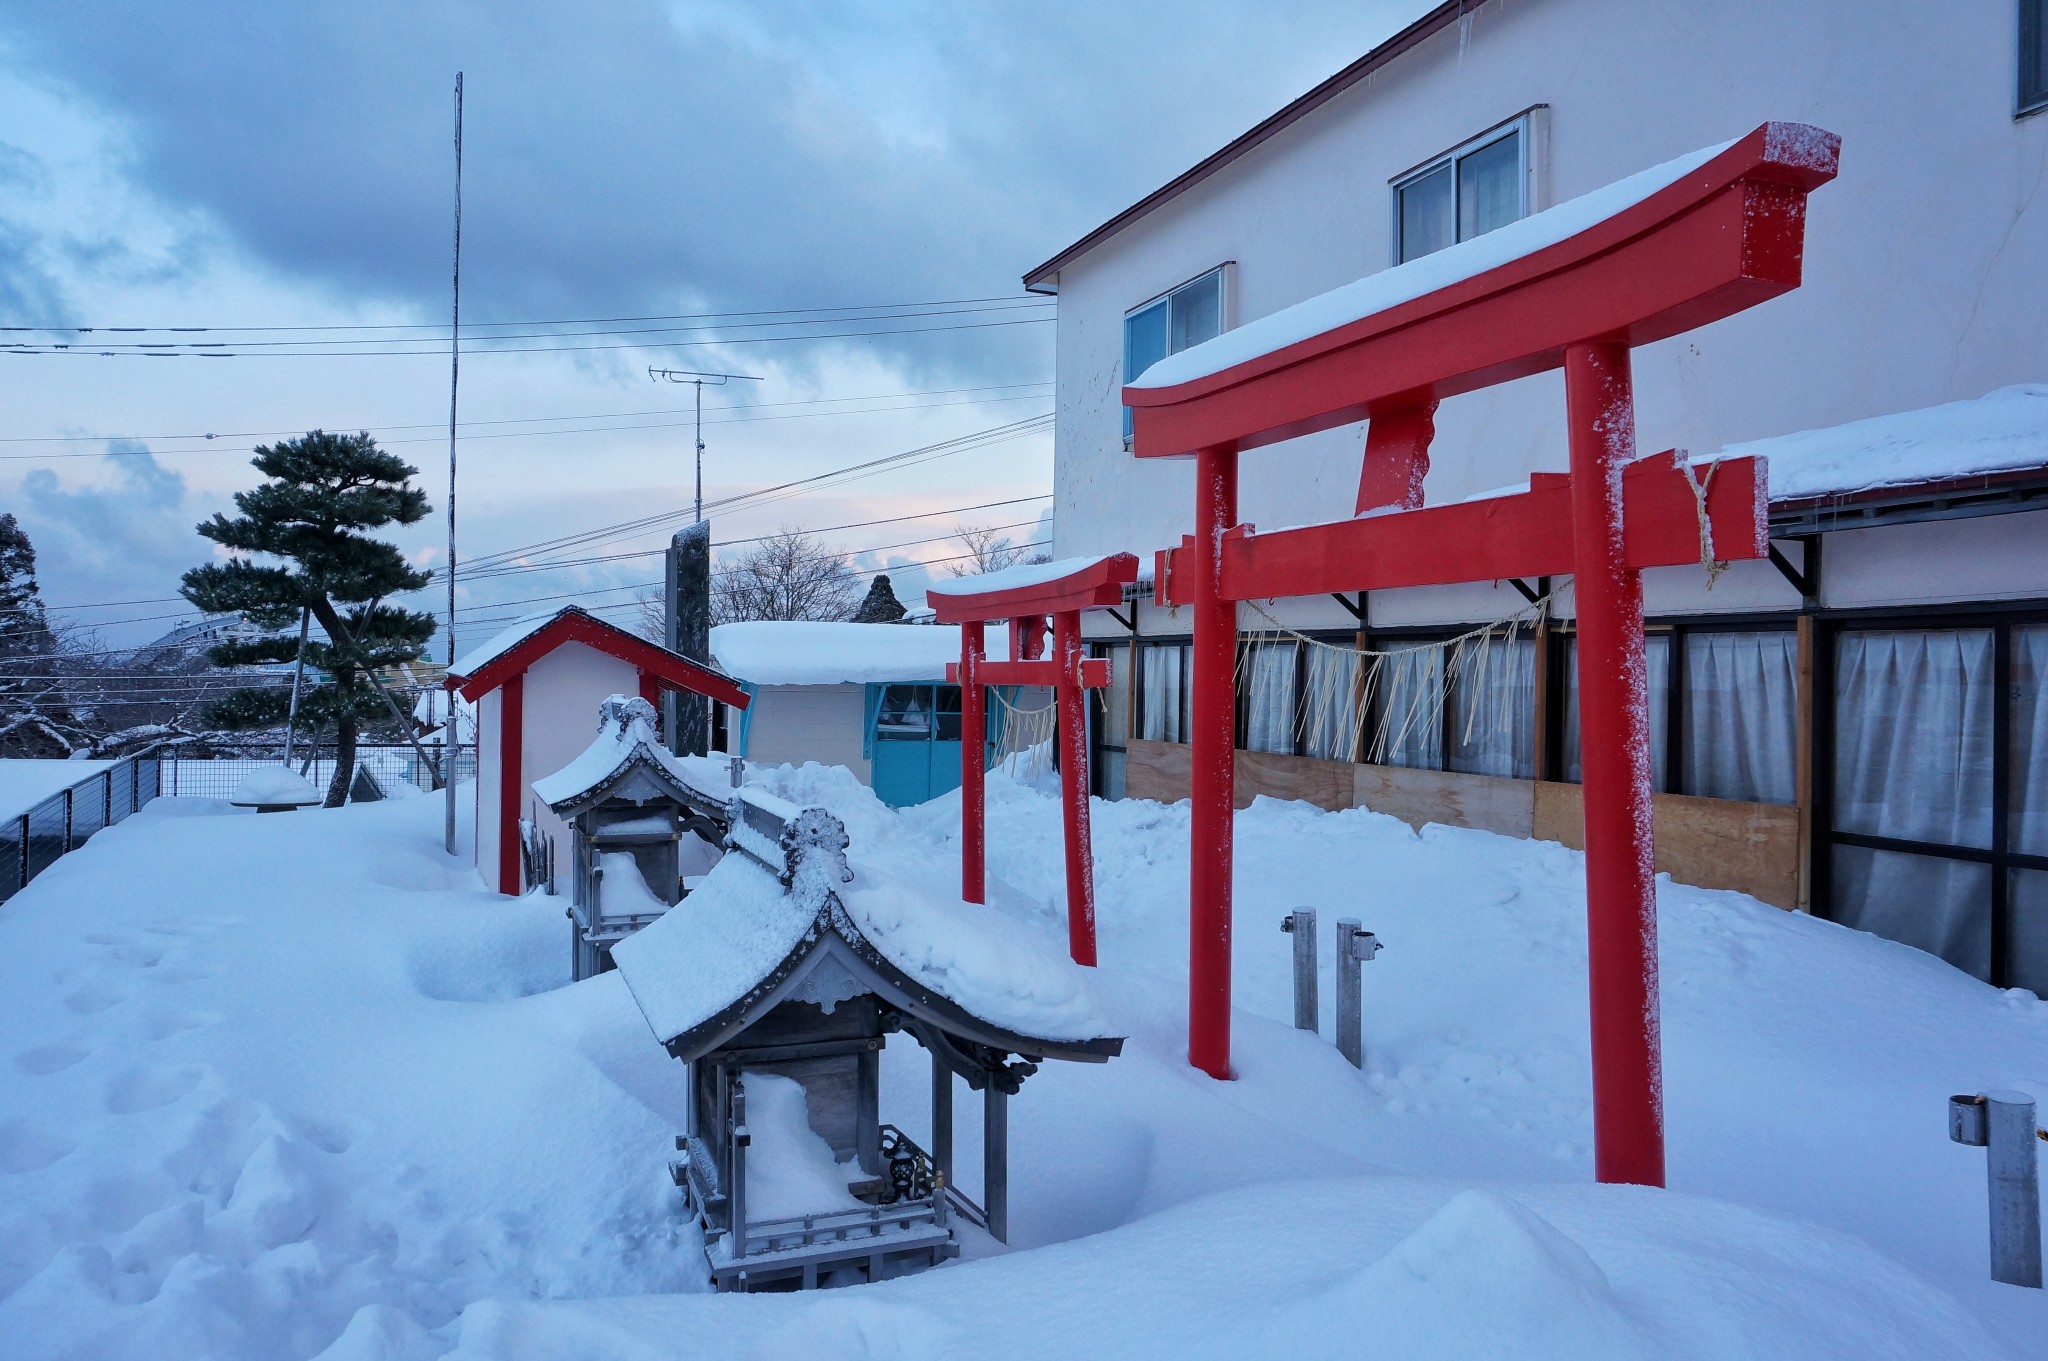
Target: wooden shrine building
[787, 967]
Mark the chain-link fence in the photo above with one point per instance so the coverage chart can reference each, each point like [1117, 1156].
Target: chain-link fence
[383, 770]
[33, 841]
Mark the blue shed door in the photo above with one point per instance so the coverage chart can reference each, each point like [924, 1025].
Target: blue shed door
[914, 742]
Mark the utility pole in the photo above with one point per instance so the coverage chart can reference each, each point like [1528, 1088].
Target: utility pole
[698, 380]
[449, 732]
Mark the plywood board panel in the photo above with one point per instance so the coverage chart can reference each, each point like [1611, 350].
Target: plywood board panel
[1752, 848]
[1326, 784]
[1489, 802]
[1157, 770]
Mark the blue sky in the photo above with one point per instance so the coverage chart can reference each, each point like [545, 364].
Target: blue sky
[240, 164]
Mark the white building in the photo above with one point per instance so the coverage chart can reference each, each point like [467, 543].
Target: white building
[1851, 730]
[870, 697]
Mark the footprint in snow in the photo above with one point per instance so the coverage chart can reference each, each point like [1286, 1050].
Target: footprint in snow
[45, 1059]
[148, 1089]
[30, 1148]
[163, 1025]
[93, 998]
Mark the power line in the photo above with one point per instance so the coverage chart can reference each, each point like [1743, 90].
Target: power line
[768, 495]
[535, 420]
[102, 352]
[569, 321]
[643, 585]
[440, 339]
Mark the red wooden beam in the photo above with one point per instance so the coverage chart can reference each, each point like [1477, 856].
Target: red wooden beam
[966, 673]
[1528, 534]
[1091, 586]
[1073, 736]
[573, 625]
[1094, 673]
[1724, 237]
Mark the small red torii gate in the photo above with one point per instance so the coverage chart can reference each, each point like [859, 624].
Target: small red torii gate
[1029, 596]
[1720, 233]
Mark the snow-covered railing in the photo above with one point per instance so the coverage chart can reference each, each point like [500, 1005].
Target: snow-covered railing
[34, 840]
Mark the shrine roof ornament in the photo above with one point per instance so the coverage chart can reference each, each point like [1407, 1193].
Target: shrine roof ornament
[1645, 258]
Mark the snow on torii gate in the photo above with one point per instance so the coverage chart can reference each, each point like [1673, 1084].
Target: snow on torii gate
[1576, 287]
[1027, 595]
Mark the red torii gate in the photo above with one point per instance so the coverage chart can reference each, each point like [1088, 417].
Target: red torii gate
[1721, 233]
[1028, 596]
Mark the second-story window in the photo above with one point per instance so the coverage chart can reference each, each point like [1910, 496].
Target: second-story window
[1169, 324]
[1466, 192]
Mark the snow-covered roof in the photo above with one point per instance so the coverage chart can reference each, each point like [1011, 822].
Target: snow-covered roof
[1390, 287]
[775, 652]
[507, 638]
[2002, 431]
[626, 735]
[1014, 578]
[744, 941]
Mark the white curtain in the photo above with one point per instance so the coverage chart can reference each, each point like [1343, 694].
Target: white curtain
[1493, 718]
[1331, 705]
[1164, 670]
[1742, 716]
[1657, 665]
[1913, 749]
[1411, 705]
[1934, 904]
[1269, 706]
[1913, 735]
[2027, 943]
[2030, 743]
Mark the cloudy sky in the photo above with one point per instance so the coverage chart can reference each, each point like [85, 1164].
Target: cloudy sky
[837, 197]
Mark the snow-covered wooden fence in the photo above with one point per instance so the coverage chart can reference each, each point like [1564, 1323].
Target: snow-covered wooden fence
[33, 840]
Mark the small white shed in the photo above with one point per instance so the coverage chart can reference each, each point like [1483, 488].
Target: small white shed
[543, 680]
[870, 697]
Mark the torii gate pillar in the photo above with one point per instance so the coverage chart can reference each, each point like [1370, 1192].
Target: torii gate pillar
[1212, 708]
[1621, 888]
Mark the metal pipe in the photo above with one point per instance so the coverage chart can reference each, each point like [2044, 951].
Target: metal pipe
[1355, 946]
[291, 719]
[1621, 900]
[2002, 1124]
[1301, 924]
[1213, 732]
[1073, 733]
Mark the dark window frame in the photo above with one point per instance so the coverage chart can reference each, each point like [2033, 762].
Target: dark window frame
[1221, 273]
[2030, 89]
[1522, 125]
[2001, 618]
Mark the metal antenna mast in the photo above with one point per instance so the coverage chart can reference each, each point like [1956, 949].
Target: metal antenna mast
[698, 380]
[449, 733]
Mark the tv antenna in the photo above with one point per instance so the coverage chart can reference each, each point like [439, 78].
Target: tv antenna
[698, 380]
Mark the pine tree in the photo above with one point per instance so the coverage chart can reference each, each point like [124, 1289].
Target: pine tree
[35, 711]
[881, 605]
[324, 491]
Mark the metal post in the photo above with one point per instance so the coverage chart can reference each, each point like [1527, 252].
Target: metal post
[1301, 924]
[67, 822]
[291, 716]
[736, 1194]
[1621, 899]
[973, 765]
[942, 1119]
[1354, 947]
[1213, 712]
[2002, 1123]
[1073, 732]
[448, 732]
[995, 1160]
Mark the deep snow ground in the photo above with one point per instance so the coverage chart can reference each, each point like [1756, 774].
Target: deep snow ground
[296, 1085]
